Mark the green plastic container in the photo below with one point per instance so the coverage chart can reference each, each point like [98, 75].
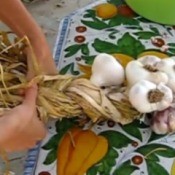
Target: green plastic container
[160, 11]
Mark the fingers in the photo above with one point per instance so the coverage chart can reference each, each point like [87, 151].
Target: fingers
[43, 132]
[18, 118]
[19, 147]
[40, 132]
[30, 96]
[25, 140]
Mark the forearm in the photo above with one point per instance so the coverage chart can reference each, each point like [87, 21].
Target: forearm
[14, 14]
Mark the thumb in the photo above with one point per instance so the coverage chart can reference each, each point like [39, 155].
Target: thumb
[30, 96]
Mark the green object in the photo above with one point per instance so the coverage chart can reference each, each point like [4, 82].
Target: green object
[161, 11]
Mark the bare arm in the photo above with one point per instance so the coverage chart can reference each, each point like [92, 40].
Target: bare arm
[14, 14]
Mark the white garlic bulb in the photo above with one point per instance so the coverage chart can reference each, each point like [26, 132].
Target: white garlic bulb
[163, 122]
[149, 60]
[107, 71]
[145, 69]
[147, 97]
[168, 66]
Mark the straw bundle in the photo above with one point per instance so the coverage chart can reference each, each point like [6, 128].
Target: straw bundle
[59, 95]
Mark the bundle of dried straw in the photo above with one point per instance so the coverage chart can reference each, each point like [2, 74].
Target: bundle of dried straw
[59, 95]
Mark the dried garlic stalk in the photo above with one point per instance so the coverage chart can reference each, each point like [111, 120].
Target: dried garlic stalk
[59, 95]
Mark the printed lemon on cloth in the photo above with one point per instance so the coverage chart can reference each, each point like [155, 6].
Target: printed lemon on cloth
[154, 53]
[123, 59]
[86, 70]
[173, 168]
[106, 10]
[79, 150]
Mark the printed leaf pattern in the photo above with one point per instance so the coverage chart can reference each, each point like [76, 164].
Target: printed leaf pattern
[156, 149]
[145, 35]
[155, 136]
[71, 50]
[127, 44]
[85, 50]
[105, 165]
[95, 24]
[125, 169]
[51, 157]
[119, 20]
[132, 130]
[130, 46]
[155, 168]
[104, 46]
[120, 142]
[69, 67]
[116, 2]
[89, 59]
[52, 143]
[65, 124]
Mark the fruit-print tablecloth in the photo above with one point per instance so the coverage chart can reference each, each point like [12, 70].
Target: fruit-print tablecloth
[133, 149]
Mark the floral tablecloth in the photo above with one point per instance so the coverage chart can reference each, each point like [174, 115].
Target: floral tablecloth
[133, 149]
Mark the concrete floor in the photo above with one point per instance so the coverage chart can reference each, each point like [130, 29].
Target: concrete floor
[48, 14]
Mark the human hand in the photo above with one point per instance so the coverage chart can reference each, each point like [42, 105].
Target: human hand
[20, 127]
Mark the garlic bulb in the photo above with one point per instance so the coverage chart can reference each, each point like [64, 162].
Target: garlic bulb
[145, 69]
[163, 122]
[168, 66]
[149, 60]
[147, 97]
[107, 71]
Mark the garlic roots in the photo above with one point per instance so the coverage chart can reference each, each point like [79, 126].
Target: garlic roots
[147, 97]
